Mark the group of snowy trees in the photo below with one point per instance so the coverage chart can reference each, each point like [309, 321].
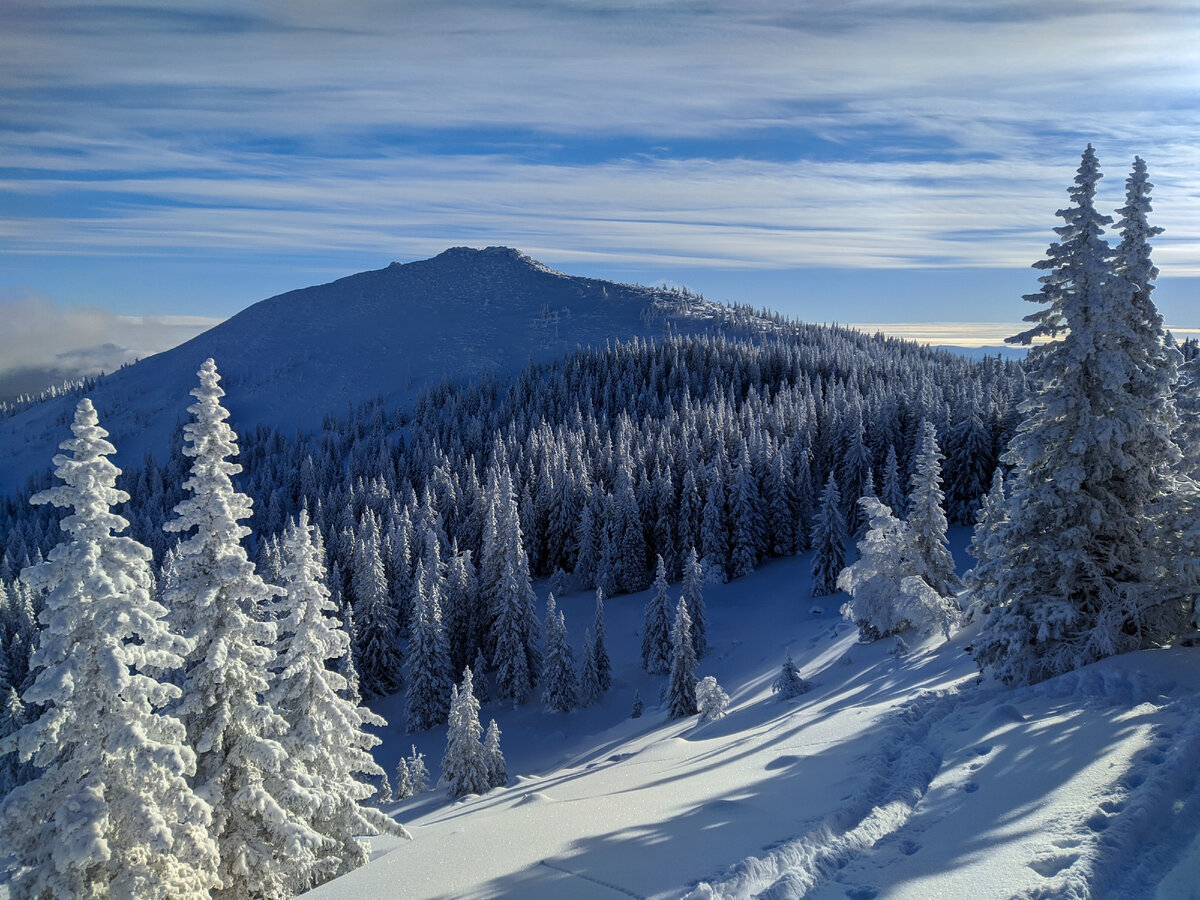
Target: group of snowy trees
[189, 741]
[1087, 544]
[904, 575]
[1090, 546]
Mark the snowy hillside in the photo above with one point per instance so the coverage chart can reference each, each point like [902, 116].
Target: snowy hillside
[894, 777]
[290, 360]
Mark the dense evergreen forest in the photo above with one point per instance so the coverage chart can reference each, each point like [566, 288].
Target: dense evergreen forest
[611, 457]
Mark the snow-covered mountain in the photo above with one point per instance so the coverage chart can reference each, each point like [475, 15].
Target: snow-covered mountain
[289, 360]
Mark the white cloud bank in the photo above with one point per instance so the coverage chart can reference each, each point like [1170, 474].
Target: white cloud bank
[44, 343]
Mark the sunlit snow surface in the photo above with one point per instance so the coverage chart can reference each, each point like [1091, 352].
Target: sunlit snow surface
[893, 777]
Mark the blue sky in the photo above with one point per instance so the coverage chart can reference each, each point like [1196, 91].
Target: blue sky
[874, 161]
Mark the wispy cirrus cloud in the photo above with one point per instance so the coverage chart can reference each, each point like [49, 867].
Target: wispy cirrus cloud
[749, 135]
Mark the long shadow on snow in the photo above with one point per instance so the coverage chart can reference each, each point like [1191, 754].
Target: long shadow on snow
[732, 822]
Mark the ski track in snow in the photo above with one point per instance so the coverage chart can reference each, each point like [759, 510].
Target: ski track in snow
[901, 772]
[607, 884]
[1140, 824]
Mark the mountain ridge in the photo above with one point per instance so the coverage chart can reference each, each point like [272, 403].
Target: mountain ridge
[288, 360]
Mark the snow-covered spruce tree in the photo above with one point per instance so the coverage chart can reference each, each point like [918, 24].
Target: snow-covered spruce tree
[479, 672]
[970, 463]
[260, 803]
[464, 765]
[326, 732]
[631, 544]
[927, 517]
[110, 812]
[681, 692]
[714, 535]
[893, 487]
[427, 698]
[711, 699]
[497, 767]
[418, 771]
[12, 717]
[1172, 532]
[386, 795]
[461, 617]
[600, 648]
[780, 502]
[1088, 462]
[1187, 408]
[560, 685]
[854, 467]
[829, 541]
[517, 657]
[693, 593]
[789, 684]
[377, 617]
[986, 547]
[656, 627]
[403, 788]
[589, 678]
[638, 705]
[887, 593]
[745, 513]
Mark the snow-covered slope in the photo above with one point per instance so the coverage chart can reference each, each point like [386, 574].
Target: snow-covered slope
[289, 360]
[894, 777]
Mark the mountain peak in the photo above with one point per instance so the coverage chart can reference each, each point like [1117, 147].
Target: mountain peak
[474, 257]
[388, 333]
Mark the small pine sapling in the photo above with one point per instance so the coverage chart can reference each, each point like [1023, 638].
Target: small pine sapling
[404, 788]
[789, 684]
[638, 706]
[711, 699]
[418, 772]
[497, 767]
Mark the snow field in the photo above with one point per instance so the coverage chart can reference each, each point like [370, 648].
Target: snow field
[893, 777]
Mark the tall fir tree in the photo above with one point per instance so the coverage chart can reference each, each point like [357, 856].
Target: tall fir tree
[681, 691]
[927, 517]
[1088, 463]
[656, 627]
[560, 683]
[589, 678]
[986, 544]
[427, 698]
[600, 645]
[218, 600]
[464, 765]
[829, 540]
[893, 495]
[693, 594]
[377, 618]
[714, 534]
[517, 657]
[326, 732]
[745, 515]
[110, 812]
